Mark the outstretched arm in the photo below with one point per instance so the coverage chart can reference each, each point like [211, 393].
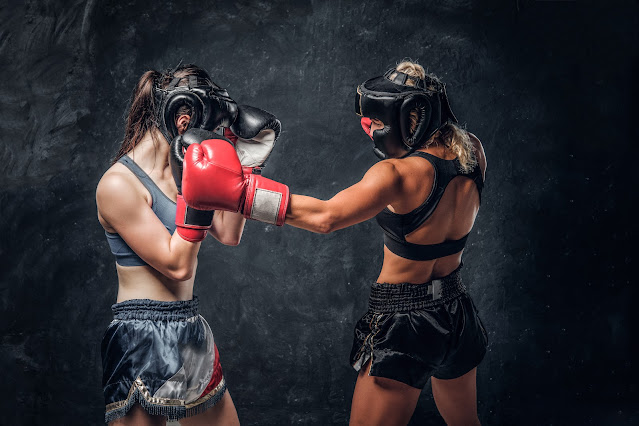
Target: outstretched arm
[379, 187]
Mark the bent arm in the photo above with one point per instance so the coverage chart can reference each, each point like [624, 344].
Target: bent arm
[227, 227]
[379, 187]
[126, 210]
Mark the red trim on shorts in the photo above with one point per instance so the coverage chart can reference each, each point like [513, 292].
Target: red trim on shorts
[217, 375]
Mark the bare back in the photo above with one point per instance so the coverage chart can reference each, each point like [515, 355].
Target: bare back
[452, 219]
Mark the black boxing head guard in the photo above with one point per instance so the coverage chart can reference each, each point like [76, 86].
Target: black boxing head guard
[389, 99]
[210, 104]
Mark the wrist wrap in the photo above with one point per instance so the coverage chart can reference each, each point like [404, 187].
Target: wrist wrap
[192, 224]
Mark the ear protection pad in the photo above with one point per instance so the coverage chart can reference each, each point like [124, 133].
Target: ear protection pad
[177, 99]
[426, 115]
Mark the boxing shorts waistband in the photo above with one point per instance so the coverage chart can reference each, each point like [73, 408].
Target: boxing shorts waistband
[147, 309]
[404, 297]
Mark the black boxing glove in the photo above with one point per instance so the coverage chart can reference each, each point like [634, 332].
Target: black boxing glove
[254, 133]
[192, 224]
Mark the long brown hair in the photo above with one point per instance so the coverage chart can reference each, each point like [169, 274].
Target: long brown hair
[142, 116]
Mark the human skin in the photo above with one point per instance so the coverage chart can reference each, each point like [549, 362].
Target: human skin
[402, 185]
[124, 206]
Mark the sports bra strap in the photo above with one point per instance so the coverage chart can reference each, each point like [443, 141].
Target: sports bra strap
[162, 206]
[141, 175]
[397, 226]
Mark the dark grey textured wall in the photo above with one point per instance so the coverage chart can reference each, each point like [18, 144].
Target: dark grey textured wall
[549, 86]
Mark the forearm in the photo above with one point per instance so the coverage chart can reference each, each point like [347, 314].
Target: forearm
[355, 204]
[310, 213]
[180, 258]
[227, 227]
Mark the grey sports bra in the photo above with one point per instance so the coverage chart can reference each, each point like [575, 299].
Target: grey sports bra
[162, 206]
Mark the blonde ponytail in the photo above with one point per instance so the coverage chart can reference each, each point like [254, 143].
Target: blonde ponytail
[456, 140]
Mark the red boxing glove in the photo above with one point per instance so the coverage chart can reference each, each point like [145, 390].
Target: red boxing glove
[213, 179]
[192, 224]
[266, 200]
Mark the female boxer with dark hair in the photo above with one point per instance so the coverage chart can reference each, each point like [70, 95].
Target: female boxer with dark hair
[425, 195]
[159, 358]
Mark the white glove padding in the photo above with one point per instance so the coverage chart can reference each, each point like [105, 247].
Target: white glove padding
[254, 133]
[254, 152]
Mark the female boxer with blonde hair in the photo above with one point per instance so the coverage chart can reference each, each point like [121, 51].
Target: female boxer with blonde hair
[159, 357]
[421, 322]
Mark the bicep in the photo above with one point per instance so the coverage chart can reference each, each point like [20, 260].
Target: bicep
[379, 187]
[126, 211]
[356, 204]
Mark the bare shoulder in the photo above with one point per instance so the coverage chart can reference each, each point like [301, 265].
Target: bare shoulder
[415, 166]
[117, 192]
[479, 148]
[115, 181]
[479, 152]
[384, 174]
[386, 167]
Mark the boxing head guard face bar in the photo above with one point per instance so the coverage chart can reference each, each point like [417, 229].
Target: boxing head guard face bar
[211, 106]
[392, 100]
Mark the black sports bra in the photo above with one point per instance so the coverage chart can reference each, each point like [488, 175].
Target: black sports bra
[397, 226]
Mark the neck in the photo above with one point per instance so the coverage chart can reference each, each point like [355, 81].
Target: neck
[439, 150]
[151, 152]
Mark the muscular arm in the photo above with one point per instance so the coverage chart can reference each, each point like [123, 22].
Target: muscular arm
[227, 227]
[379, 187]
[479, 153]
[127, 211]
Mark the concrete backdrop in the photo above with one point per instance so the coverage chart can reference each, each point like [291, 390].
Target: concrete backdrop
[549, 86]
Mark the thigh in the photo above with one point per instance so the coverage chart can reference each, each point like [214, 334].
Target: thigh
[222, 413]
[469, 344]
[456, 399]
[381, 401]
[137, 416]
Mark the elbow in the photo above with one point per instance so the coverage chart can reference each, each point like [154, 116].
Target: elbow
[180, 274]
[324, 228]
[231, 241]
[326, 224]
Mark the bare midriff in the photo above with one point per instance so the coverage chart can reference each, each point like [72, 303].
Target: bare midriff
[144, 282]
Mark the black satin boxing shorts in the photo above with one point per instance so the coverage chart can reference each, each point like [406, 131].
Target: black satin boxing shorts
[414, 331]
[162, 356]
